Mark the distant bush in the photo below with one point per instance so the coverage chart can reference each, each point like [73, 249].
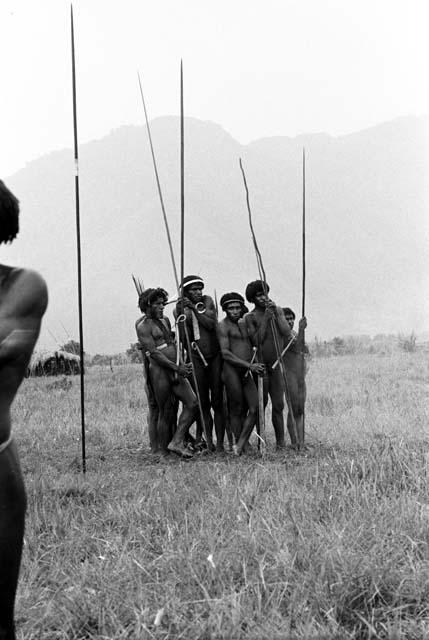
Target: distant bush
[134, 353]
[381, 344]
[407, 343]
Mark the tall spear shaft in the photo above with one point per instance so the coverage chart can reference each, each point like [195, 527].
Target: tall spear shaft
[167, 228]
[182, 184]
[303, 233]
[79, 262]
[303, 287]
[182, 247]
[272, 323]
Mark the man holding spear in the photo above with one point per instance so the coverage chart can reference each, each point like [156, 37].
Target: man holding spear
[167, 375]
[238, 366]
[261, 322]
[201, 323]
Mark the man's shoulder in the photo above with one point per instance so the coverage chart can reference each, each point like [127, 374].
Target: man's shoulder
[224, 325]
[140, 320]
[250, 316]
[27, 291]
[144, 324]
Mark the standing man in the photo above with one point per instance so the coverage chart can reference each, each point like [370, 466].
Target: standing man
[153, 412]
[205, 356]
[23, 301]
[295, 361]
[238, 367]
[167, 377]
[259, 324]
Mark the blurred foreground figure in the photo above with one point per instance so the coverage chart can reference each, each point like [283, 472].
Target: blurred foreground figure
[23, 301]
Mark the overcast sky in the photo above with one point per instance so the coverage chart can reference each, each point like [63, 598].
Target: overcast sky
[277, 67]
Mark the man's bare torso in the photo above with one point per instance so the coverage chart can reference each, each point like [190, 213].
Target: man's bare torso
[23, 301]
[239, 343]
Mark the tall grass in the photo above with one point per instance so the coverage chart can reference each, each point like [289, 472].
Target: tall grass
[332, 543]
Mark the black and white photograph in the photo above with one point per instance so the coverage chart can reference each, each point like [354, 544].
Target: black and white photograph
[214, 320]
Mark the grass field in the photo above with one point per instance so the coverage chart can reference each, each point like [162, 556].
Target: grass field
[332, 543]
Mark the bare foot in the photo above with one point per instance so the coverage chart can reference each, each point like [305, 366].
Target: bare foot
[180, 450]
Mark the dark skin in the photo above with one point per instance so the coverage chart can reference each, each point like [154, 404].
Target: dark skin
[258, 322]
[240, 386]
[23, 301]
[151, 401]
[208, 377]
[295, 372]
[162, 369]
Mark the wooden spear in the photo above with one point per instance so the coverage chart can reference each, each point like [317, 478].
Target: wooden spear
[303, 290]
[272, 322]
[182, 248]
[79, 262]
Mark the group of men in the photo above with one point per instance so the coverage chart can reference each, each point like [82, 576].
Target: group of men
[214, 368]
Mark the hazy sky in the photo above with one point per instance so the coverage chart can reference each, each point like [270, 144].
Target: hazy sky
[277, 67]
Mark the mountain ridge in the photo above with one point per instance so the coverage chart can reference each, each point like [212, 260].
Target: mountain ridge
[367, 197]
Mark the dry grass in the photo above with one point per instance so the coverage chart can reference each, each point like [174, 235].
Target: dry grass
[330, 544]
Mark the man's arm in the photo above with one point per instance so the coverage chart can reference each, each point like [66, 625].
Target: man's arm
[300, 338]
[207, 319]
[256, 331]
[21, 316]
[144, 334]
[282, 324]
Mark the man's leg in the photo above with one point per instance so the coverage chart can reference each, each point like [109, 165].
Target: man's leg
[153, 412]
[297, 394]
[162, 387]
[186, 395]
[216, 398]
[234, 393]
[251, 396]
[12, 515]
[276, 391]
[201, 374]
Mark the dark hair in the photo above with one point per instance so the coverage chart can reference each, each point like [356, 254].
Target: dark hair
[231, 297]
[154, 294]
[255, 287]
[143, 299]
[188, 281]
[288, 312]
[9, 214]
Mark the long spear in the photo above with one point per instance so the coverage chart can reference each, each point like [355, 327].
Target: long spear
[79, 263]
[167, 228]
[303, 286]
[272, 323]
[182, 247]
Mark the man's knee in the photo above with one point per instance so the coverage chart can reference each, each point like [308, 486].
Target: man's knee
[277, 402]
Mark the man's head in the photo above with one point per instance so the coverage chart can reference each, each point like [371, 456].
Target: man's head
[290, 316]
[143, 299]
[257, 292]
[155, 303]
[232, 303]
[193, 288]
[9, 214]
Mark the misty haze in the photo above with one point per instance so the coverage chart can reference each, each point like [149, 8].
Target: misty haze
[367, 225]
